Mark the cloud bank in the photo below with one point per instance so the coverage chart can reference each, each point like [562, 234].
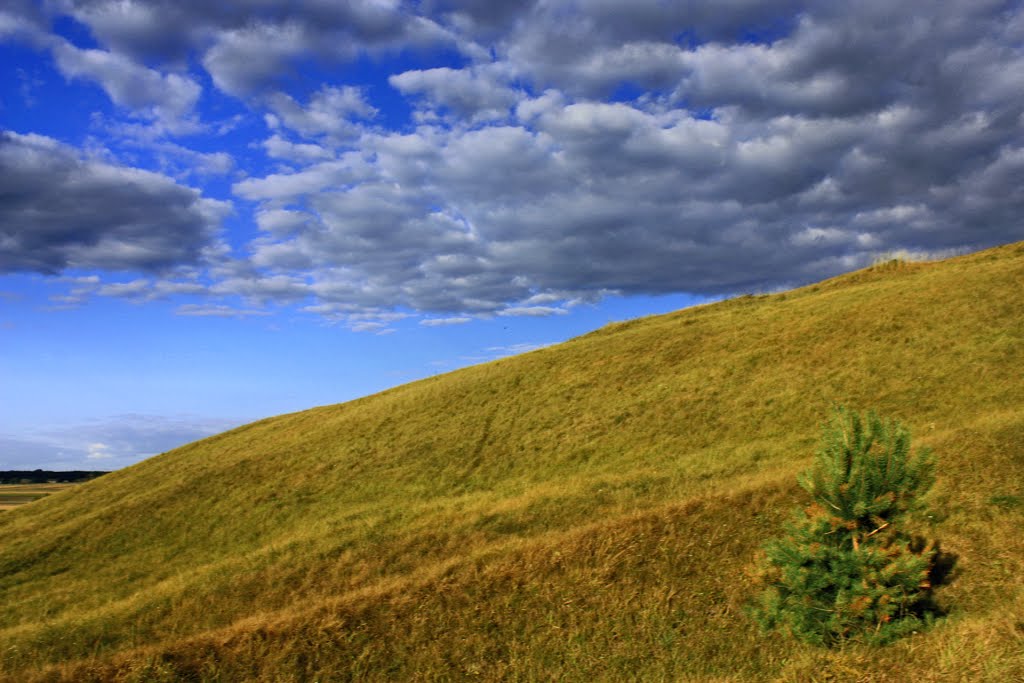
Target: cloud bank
[520, 160]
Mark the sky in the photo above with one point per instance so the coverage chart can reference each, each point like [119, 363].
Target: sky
[213, 212]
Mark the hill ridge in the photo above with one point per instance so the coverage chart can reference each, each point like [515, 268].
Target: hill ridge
[287, 514]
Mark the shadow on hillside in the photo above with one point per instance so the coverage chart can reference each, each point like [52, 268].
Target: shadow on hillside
[943, 572]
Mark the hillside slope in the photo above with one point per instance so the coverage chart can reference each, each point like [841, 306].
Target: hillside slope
[586, 511]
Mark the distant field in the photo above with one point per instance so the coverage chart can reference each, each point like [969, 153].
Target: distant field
[13, 495]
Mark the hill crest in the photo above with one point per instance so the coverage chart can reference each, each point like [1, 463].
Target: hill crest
[588, 510]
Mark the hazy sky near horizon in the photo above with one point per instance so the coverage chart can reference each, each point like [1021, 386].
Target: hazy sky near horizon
[215, 212]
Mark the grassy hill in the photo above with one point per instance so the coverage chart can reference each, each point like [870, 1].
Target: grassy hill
[589, 511]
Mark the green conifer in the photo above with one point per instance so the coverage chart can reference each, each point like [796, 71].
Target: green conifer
[846, 569]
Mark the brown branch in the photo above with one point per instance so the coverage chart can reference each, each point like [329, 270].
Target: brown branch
[876, 531]
[856, 544]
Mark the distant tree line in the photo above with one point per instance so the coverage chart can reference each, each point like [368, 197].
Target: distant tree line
[45, 476]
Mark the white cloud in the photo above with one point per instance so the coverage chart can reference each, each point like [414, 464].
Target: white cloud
[282, 222]
[19, 20]
[98, 451]
[243, 59]
[133, 289]
[473, 94]
[279, 148]
[168, 98]
[217, 311]
[263, 289]
[313, 179]
[248, 57]
[146, 289]
[440, 322]
[330, 111]
[532, 311]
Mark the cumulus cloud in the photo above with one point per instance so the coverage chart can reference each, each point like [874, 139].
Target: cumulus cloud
[148, 289]
[533, 311]
[310, 180]
[762, 153]
[22, 20]
[573, 149]
[164, 97]
[217, 311]
[472, 94]
[262, 289]
[61, 210]
[249, 57]
[590, 48]
[278, 147]
[329, 112]
[442, 322]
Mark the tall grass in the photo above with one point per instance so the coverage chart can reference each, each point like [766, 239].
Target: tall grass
[586, 511]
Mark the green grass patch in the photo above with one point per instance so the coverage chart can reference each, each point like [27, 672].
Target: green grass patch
[1007, 502]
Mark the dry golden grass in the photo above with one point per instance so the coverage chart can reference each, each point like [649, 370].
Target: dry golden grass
[587, 511]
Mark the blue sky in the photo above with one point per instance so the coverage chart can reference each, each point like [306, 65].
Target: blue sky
[216, 212]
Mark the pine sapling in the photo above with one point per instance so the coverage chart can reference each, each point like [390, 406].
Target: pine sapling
[846, 569]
